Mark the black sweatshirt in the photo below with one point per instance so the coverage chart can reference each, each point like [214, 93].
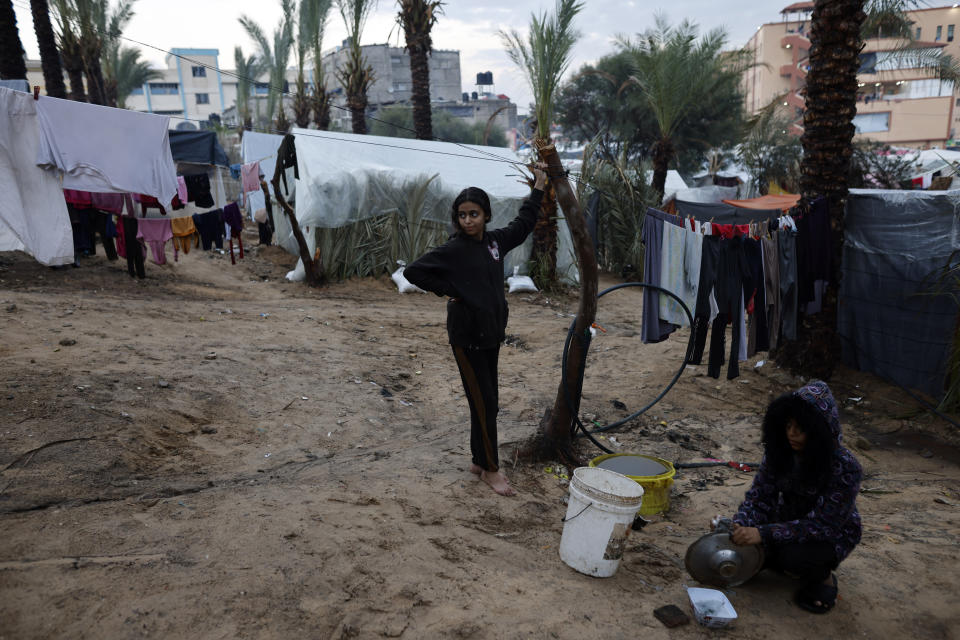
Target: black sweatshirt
[472, 271]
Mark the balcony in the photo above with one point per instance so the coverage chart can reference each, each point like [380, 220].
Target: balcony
[789, 70]
[795, 41]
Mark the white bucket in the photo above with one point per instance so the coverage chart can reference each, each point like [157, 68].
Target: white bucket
[601, 510]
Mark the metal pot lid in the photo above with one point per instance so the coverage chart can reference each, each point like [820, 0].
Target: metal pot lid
[715, 560]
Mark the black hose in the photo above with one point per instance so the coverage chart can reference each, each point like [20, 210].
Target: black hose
[574, 408]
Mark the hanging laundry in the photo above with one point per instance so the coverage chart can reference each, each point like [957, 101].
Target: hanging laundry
[787, 258]
[185, 236]
[133, 246]
[108, 202]
[210, 227]
[652, 328]
[758, 337]
[198, 190]
[155, 232]
[33, 213]
[182, 189]
[105, 149]
[79, 199]
[286, 158]
[771, 280]
[233, 218]
[681, 252]
[250, 177]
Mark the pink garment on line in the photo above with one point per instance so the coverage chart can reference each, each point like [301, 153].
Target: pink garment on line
[250, 177]
[156, 232]
[182, 189]
[109, 202]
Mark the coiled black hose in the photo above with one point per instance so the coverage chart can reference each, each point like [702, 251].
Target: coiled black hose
[567, 397]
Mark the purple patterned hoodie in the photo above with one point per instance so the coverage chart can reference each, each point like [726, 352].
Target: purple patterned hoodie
[806, 514]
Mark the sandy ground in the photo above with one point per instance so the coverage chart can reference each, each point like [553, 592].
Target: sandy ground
[216, 453]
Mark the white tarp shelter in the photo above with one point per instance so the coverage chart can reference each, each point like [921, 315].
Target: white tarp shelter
[346, 177]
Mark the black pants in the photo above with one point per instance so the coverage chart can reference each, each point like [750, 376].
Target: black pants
[811, 562]
[99, 224]
[478, 372]
[722, 269]
[134, 248]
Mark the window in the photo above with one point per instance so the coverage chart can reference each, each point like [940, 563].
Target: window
[164, 88]
[136, 91]
[262, 88]
[199, 72]
[203, 98]
[872, 122]
[949, 33]
[939, 33]
[918, 34]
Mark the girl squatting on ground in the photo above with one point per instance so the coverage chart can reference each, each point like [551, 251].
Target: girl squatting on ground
[802, 506]
[468, 269]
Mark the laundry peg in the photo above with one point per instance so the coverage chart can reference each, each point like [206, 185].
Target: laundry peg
[36, 92]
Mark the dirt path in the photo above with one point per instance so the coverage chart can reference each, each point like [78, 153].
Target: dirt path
[233, 456]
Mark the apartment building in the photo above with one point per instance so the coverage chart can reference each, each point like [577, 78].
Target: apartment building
[898, 102]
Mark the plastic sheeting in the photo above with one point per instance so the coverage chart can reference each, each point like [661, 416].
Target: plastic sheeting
[198, 147]
[345, 178]
[262, 148]
[784, 202]
[723, 213]
[889, 323]
[710, 193]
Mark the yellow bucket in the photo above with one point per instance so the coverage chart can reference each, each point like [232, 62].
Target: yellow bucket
[656, 489]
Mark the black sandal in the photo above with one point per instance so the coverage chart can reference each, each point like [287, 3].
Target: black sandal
[808, 597]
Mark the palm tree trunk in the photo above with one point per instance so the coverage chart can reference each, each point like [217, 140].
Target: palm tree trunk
[556, 440]
[73, 64]
[301, 104]
[49, 56]
[420, 79]
[662, 152]
[827, 147]
[94, 74]
[358, 112]
[12, 66]
[543, 253]
[321, 106]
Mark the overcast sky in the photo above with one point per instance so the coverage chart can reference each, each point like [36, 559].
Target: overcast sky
[470, 27]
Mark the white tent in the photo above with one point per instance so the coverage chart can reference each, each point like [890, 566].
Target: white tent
[342, 178]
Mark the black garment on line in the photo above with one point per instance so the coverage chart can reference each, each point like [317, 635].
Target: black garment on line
[82, 229]
[286, 158]
[99, 224]
[758, 328]
[723, 268]
[133, 247]
[478, 373]
[211, 229]
[814, 253]
[198, 189]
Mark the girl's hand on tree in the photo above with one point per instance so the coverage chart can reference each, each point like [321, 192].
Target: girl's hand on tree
[539, 170]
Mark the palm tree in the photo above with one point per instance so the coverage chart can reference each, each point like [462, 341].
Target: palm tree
[128, 73]
[321, 101]
[417, 18]
[49, 56]
[356, 75]
[88, 14]
[12, 66]
[274, 57]
[248, 68]
[837, 31]
[307, 28]
[674, 70]
[543, 57]
[70, 49]
[111, 23]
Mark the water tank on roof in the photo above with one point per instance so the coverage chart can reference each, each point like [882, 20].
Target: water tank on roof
[485, 78]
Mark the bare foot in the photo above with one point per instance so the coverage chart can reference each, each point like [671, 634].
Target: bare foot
[498, 482]
[476, 469]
